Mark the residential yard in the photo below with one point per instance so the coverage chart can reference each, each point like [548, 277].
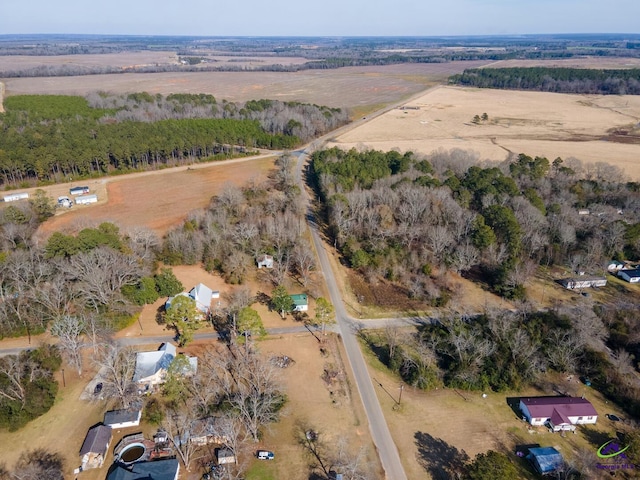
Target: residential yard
[436, 429]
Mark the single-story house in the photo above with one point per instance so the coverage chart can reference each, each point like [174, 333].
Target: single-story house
[151, 367]
[201, 294]
[165, 469]
[559, 413]
[545, 460]
[583, 282]
[631, 276]
[95, 447]
[201, 432]
[264, 261]
[129, 417]
[300, 302]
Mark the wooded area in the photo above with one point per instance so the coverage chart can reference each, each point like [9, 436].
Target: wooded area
[549, 79]
[53, 138]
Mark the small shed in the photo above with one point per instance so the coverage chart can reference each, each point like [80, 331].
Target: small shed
[123, 418]
[264, 261]
[545, 460]
[79, 190]
[95, 447]
[300, 302]
[86, 199]
[224, 456]
[631, 276]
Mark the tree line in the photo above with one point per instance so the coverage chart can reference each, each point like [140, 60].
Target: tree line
[51, 138]
[550, 79]
[410, 219]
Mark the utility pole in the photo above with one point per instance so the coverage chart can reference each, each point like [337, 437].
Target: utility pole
[400, 397]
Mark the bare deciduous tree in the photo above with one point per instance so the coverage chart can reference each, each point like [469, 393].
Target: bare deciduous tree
[117, 365]
[69, 330]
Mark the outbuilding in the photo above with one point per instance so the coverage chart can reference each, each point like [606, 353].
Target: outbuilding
[631, 276]
[95, 447]
[123, 418]
[86, 199]
[265, 261]
[546, 460]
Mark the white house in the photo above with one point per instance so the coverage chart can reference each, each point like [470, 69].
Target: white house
[265, 261]
[631, 276]
[123, 418]
[151, 367]
[201, 294]
[559, 413]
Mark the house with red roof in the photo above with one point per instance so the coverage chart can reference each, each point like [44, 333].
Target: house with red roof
[559, 413]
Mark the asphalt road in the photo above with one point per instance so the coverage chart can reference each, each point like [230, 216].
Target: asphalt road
[348, 328]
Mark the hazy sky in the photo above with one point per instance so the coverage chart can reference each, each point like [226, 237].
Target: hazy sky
[319, 17]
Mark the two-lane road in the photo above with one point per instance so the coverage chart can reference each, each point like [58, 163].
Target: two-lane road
[347, 327]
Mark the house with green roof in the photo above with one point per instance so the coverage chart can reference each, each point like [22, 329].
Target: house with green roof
[300, 302]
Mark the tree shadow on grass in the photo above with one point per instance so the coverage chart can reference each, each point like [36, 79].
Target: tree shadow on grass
[594, 437]
[437, 457]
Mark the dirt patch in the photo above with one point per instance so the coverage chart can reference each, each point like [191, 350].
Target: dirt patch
[548, 124]
[158, 200]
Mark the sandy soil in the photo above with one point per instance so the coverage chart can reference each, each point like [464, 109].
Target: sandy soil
[535, 123]
[345, 87]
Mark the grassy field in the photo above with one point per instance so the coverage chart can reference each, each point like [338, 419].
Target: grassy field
[587, 127]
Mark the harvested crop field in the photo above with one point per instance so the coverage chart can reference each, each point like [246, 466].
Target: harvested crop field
[122, 60]
[576, 62]
[157, 200]
[587, 127]
[348, 87]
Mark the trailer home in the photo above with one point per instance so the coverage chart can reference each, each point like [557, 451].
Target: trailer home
[86, 199]
[14, 197]
[79, 190]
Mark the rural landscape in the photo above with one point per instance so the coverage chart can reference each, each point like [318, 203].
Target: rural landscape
[319, 258]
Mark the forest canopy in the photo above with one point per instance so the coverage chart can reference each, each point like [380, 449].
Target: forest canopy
[49, 138]
[558, 80]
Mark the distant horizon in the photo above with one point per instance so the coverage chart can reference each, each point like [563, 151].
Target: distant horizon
[461, 36]
[331, 18]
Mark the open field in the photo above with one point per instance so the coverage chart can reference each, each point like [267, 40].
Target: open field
[157, 199]
[348, 87]
[147, 58]
[434, 429]
[577, 62]
[538, 124]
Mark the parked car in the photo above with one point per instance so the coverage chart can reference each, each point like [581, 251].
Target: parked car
[265, 455]
[97, 389]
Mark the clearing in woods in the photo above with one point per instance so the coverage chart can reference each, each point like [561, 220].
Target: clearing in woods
[591, 128]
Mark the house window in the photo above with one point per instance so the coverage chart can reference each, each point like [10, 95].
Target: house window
[580, 419]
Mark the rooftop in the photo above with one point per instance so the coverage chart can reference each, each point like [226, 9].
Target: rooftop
[97, 440]
[166, 469]
[540, 407]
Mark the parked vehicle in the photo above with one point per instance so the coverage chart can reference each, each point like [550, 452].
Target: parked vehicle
[265, 455]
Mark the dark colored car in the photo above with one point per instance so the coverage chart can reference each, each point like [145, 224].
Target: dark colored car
[97, 389]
